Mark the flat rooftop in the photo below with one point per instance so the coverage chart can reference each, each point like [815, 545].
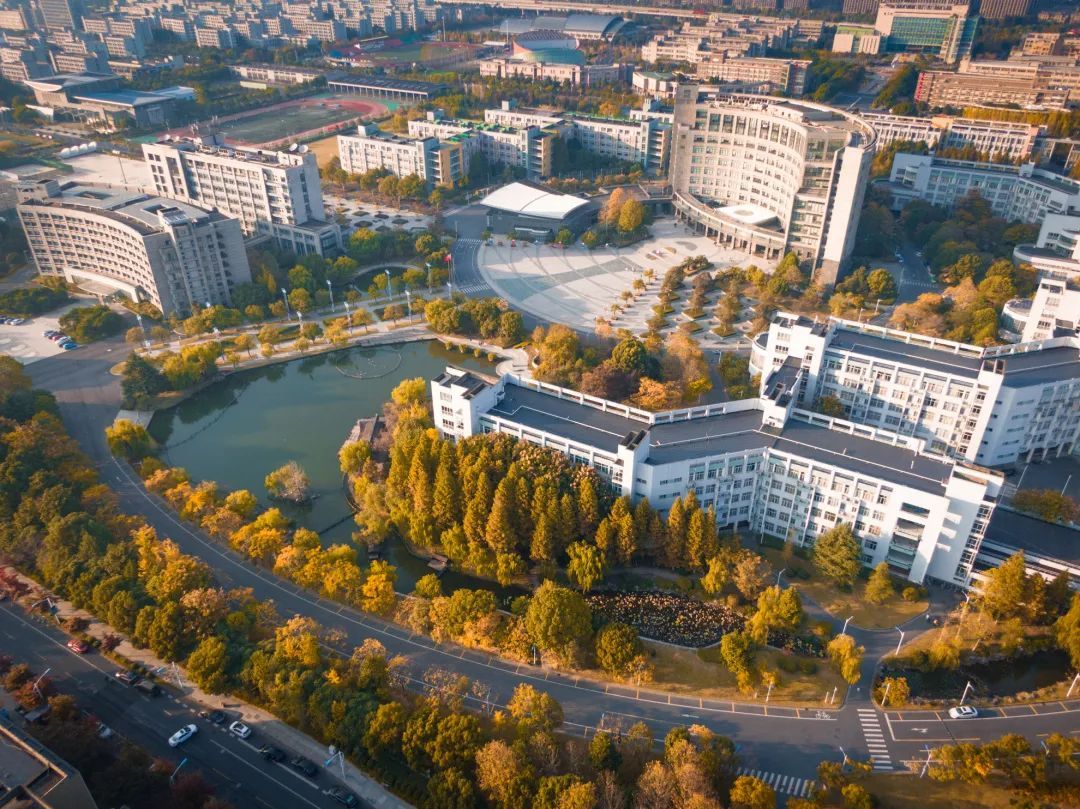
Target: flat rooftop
[674, 441]
[131, 207]
[1033, 536]
[914, 354]
[1040, 367]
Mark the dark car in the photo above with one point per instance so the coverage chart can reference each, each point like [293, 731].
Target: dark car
[216, 717]
[271, 753]
[127, 677]
[344, 797]
[149, 688]
[302, 765]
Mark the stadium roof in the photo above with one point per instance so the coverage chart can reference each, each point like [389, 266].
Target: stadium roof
[528, 200]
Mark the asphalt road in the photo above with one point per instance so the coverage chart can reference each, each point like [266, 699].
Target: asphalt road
[773, 741]
[233, 766]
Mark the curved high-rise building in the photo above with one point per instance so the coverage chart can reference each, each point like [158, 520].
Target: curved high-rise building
[770, 176]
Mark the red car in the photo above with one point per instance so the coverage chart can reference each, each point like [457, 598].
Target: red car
[77, 646]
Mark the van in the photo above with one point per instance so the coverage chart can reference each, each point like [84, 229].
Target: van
[149, 688]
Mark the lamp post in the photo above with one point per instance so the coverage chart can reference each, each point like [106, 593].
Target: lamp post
[963, 614]
[285, 300]
[885, 696]
[779, 574]
[330, 287]
[768, 693]
[408, 302]
[38, 680]
[389, 286]
[348, 316]
[449, 289]
[848, 621]
[1072, 685]
[900, 642]
[967, 688]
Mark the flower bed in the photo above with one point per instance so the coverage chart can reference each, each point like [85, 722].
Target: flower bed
[684, 621]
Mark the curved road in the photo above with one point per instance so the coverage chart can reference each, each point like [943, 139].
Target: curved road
[782, 744]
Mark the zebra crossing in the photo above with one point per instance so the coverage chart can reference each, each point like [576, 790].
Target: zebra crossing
[875, 739]
[472, 289]
[782, 784]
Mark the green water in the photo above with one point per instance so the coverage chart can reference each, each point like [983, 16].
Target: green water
[238, 430]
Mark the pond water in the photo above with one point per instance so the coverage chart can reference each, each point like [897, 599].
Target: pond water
[238, 430]
[999, 678]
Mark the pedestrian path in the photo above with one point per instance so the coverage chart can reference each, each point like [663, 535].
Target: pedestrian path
[875, 739]
[782, 784]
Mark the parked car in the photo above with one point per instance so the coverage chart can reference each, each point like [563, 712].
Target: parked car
[127, 677]
[239, 730]
[48, 332]
[271, 753]
[963, 712]
[344, 797]
[78, 646]
[215, 717]
[182, 735]
[302, 765]
[56, 338]
[69, 346]
[104, 731]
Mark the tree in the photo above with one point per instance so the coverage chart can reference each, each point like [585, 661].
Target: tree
[377, 591]
[836, 555]
[503, 775]
[1067, 631]
[449, 789]
[750, 574]
[534, 710]
[893, 692]
[736, 652]
[1048, 504]
[384, 728]
[609, 214]
[353, 455]
[879, 587]
[776, 609]
[128, 440]
[847, 657]
[751, 793]
[208, 665]
[1004, 590]
[289, 482]
[617, 645]
[716, 576]
[141, 381]
[558, 620]
[830, 406]
[631, 216]
[586, 565]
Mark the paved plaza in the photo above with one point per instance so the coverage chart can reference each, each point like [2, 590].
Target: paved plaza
[576, 286]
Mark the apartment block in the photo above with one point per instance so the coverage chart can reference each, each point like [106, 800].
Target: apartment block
[1054, 311]
[721, 34]
[767, 76]
[1028, 83]
[1056, 253]
[995, 406]
[584, 75]
[1016, 193]
[277, 194]
[1004, 9]
[528, 147]
[770, 176]
[1015, 141]
[174, 255]
[434, 162]
[762, 465]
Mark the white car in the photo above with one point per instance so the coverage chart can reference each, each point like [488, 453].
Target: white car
[963, 712]
[239, 730]
[182, 735]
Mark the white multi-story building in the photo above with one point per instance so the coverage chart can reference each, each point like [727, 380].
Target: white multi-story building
[175, 255]
[1056, 253]
[1017, 193]
[1015, 141]
[760, 464]
[1054, 311]
[435, 162]
[528, 148]
[771, 176]
[993, 406]
[277, 194]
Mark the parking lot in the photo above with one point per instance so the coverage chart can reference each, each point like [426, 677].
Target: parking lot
[26, 343]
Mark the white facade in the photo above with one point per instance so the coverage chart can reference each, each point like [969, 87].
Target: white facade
[806, 165]
[1056, 254]
[370, 148]
[993, 406]
[174, 255]
[273, 193]
[1017, 193]
[1014, 141]
[1054, 310]
[760, 464]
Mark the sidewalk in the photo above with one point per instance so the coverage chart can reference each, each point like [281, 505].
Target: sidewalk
[270, 727]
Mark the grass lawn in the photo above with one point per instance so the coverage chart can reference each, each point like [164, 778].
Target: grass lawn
[702, 674]
[901, 791]
[324, 149]
[841, 605]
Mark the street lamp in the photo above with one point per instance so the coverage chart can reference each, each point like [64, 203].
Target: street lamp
[330, 287]
[779, 574]
[967, 688]
[408, 302]
[449, 289]
[389, 286]
[885, 696]
[844, 630]
[348, 316]
[769, 692]
[285, 299]
[901, 641]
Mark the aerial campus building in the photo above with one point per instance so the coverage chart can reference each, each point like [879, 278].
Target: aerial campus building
[770, 176]
[272, 193]
[172, 254]
[772, 466]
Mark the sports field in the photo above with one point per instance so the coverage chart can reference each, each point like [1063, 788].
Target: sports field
[426, 53]
[292, 119]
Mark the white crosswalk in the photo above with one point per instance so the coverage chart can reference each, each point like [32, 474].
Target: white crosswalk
[782, 784]
[472, 289]
[468, 241]
[875, 739]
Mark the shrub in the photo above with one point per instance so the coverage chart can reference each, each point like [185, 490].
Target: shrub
[910, 594]
[89, 323]
[31, 300]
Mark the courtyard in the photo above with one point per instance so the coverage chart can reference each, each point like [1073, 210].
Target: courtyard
[582, 287]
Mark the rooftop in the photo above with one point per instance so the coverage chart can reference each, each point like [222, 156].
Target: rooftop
[530, 200]
[122, 98]
[913, 354]
[132, 208]
[1033, 536]
[1040, 367]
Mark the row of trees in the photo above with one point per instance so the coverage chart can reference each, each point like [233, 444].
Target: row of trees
[487, 318]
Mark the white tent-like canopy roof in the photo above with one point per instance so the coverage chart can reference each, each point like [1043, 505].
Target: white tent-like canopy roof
[529, 200]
